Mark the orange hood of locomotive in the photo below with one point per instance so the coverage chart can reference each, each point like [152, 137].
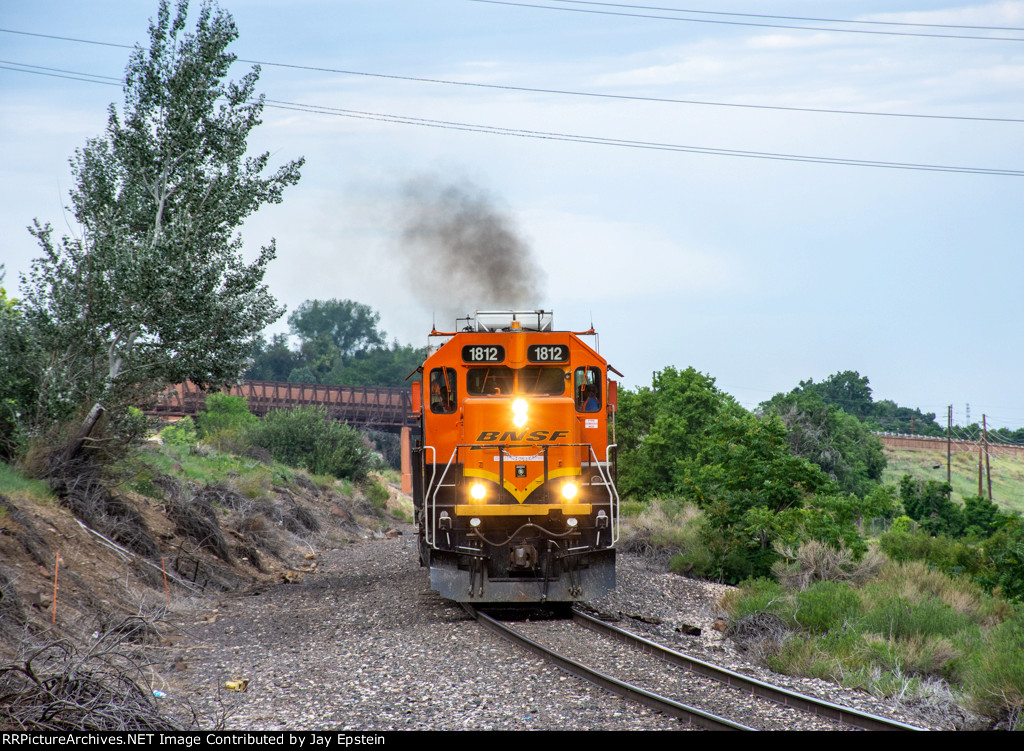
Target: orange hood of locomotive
[551, 423]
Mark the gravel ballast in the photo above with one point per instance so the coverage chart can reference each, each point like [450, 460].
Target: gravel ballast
[364, 644]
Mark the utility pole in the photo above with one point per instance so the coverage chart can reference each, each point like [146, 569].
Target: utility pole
[988, 471]
[979, 471]
[949, 449]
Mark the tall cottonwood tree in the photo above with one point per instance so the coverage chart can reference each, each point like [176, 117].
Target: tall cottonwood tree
[154, 289]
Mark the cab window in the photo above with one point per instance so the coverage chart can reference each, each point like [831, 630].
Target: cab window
[443, 393]
[587, 389]
[491, 381]
[543, 381]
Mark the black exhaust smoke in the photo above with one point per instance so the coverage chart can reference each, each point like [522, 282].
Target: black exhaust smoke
[462, 254]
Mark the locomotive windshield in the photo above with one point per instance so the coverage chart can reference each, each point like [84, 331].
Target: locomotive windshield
[500, 380]
[545, 381]
[492, 381]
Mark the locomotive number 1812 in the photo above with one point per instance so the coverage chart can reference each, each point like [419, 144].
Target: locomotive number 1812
[483, 353]
[547, 353]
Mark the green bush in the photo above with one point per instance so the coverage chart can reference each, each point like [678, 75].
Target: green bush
[224, 421]
[940, 551]
[375, 492]
[628, 509]
[831, 656]
[825, 606]
[1004, 556]
[898, 618]
[305, 437]
[180, 433]
[759, 595]
[994, 677]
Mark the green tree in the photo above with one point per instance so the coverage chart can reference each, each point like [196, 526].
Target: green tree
[826, 435]
[154, 290]
[848, 390]
[271, 361]
[347, 325]
[380, 366]
[982, 517]
[929, 505]
[659, 429]
[19, 358]
[755, 492]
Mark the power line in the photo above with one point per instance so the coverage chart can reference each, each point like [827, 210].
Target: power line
[749, 23]
[568, 137]
[57, 73]
[627, 143]
[577, 138]
[568, 92]
[791, 18]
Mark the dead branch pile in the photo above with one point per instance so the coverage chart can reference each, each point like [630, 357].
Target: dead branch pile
[193, 513]
[198, 521]
[57, 688]
[81, 488]
[759, 634]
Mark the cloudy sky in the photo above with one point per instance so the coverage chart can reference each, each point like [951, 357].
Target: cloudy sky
[662, 171]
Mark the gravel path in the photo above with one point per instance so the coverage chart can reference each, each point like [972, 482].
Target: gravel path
[363, 644]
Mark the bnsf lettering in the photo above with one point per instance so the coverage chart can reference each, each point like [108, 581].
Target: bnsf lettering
[511, 437]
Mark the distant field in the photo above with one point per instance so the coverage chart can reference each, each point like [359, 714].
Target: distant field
[1007, 473]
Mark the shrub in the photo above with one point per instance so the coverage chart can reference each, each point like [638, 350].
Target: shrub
[994, 678]
[814, 561]
[224, 421]
[757, 596]
[945, 553]
[304, 437]
[376, 493]
[825, 606]
[666, 528]
[180, 433]
[898, 618]
[916, 655]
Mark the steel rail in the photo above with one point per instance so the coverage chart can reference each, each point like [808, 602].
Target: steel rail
[692, 715]
[777, 694]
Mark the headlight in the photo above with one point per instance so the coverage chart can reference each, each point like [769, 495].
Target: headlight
[569, 491]
[519, 409]
[478, 491]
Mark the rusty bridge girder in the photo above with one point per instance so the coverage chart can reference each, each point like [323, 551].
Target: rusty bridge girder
[380, 407]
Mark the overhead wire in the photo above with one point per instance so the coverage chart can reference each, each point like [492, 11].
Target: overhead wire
[577, 138]
[648, 145]
[548, 135]
[566, 92]
[60, 73]
[749, 23]
[790, 18]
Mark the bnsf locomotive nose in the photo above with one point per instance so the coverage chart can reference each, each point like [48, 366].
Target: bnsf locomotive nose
[513, 478]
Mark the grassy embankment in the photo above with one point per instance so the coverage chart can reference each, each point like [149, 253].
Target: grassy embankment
[1007, 473]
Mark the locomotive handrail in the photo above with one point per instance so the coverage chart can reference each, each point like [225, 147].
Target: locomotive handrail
[615, 490]
[433, 471]
[613, 493]
[437, 488]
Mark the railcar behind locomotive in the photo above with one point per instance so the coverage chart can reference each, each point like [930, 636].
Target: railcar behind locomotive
[513, 471]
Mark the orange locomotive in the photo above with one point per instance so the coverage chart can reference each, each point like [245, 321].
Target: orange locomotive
[512, 473]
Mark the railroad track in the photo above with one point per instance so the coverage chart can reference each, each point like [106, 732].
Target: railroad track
[761, 705]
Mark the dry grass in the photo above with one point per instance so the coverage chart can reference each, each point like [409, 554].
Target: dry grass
[660, 531]
[813, 561]
[914, 581]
